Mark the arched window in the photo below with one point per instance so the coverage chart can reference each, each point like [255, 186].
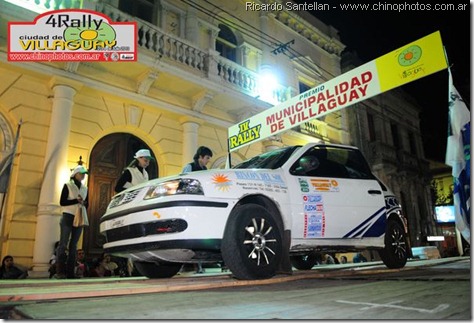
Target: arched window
[226, 43]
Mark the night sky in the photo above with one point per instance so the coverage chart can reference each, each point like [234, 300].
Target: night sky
[375, 33]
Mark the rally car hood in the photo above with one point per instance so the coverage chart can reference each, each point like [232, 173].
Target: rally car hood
[216, 184]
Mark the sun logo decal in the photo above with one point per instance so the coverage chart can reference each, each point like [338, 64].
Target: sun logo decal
[105, 33]
[410, 55]
[222, 182]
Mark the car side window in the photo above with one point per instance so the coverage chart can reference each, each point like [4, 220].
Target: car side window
[319, 162]
[332, 162]
[357, 166]
[305, 166]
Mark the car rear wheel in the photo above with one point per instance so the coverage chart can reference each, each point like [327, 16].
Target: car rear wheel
[304, 262]
[252, 243]
[160, 270]
[395, 253]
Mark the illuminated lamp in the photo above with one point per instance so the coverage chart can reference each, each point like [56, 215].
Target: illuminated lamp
[267, 85]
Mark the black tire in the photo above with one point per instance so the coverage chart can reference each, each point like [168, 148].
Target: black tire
[252, 244]
[161, 270]
[395, 253]
[305, 262]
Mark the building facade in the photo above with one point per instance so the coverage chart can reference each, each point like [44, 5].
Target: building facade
[200, 69]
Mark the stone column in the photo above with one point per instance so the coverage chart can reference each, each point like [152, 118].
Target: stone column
[190, 137]
[55, 169]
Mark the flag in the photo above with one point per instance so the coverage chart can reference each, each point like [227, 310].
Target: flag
[458, 156]
[7, 162]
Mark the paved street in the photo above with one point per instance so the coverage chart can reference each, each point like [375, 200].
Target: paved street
[428, 290]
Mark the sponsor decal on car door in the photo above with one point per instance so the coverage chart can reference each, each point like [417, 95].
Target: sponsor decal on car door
[336, 208]
[337, 195]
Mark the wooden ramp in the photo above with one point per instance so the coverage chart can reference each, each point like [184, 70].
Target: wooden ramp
[52, 289]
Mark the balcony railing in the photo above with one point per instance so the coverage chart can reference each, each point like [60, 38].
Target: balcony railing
[212, 65]
[233, 73]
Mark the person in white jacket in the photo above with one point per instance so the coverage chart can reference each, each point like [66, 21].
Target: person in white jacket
[73, 197]
[135, 173]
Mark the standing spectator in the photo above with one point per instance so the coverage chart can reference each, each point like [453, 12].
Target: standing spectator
[135, 173]
[73, 198]
[8, 270]
[200, 160]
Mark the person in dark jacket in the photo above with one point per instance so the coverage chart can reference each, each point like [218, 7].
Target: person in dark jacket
[8, 270]
[200, 160]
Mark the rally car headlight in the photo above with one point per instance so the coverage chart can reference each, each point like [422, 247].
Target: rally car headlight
[180, 186]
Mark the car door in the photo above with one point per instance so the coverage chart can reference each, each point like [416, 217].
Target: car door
[338, 197]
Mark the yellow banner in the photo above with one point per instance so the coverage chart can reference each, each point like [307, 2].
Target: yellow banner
[411, 62]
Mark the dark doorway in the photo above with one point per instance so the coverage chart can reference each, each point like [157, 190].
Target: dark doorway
[108, 159]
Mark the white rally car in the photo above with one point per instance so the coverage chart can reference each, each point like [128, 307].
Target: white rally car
[266, 215]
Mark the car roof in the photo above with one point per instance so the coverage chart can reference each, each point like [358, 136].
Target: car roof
[293, 158]
[314, 144]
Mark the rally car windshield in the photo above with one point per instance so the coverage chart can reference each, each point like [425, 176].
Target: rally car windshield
[269, 160]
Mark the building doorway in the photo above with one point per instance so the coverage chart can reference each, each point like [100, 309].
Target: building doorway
[108, 159]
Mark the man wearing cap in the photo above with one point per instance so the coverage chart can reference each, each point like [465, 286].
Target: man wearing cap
[73, 197]
[135, 173]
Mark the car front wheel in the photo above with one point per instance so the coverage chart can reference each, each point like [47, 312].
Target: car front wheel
[252, 243]
[395, 253]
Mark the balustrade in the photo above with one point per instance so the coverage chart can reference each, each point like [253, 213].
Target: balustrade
[154, 39]
[233, 73]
